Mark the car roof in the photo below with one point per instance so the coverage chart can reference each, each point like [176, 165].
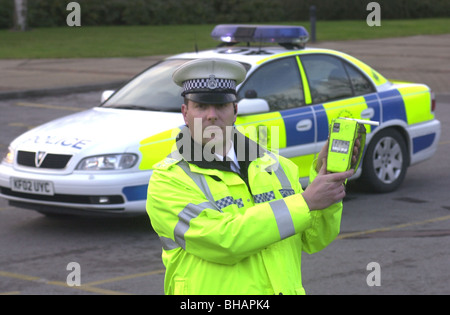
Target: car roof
[255, 56]
[251, 55]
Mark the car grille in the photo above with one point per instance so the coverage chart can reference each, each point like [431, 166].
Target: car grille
[50, 161]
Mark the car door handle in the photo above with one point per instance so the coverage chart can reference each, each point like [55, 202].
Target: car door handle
[367, 113]
[304, 125]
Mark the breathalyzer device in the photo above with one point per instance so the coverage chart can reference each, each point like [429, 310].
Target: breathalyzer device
[343, 134]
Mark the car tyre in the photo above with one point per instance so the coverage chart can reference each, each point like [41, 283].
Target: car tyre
[385, 162]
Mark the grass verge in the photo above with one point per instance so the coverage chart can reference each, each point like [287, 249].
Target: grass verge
[134, 41]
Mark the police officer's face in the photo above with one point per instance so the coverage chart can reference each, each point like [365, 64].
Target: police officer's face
[209, 120]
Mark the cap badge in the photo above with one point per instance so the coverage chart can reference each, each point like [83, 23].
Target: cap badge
[212, 82]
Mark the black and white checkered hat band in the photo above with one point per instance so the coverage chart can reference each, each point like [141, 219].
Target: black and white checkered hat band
[210, 83]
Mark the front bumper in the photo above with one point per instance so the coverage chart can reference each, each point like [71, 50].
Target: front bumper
[119, 193]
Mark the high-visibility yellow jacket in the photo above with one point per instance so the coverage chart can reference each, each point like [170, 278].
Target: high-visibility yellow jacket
[225, 233]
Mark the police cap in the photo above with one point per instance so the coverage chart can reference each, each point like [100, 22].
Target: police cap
[210, 81]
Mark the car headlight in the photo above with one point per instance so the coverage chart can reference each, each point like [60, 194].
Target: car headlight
[9, 158]
[108, 162]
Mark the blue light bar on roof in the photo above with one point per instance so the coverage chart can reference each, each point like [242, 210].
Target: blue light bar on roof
[233, 33]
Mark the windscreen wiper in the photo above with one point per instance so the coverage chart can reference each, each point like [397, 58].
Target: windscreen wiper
[135, 107]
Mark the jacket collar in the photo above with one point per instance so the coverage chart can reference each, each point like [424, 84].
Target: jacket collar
[192, 152]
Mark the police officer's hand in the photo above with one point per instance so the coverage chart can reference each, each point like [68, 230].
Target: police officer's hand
[326, 189]
[356, 149]
[323, 154]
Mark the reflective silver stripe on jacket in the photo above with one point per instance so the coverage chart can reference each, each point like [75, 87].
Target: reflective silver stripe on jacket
[200, 180]
[190, 212]
[283, 218]
[280, 209]
[167, 243]
[282, 178]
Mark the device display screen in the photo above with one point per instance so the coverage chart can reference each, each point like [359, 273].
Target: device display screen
[340, 146]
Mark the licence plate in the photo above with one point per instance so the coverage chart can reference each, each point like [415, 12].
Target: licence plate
[29, 186]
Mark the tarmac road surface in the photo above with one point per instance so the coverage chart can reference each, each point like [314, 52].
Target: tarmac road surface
[397, 240]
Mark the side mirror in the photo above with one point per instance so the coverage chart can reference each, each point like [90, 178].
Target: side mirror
[249, 106]
[106, 94]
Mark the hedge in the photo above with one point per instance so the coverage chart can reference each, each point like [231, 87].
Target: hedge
[49, 13]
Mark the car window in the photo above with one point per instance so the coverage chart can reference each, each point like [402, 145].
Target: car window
[278, 82]
[154, 89]
[361, 85]
[331, 78]
[327, 77]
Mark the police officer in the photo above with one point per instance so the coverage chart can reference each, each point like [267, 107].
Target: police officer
[231, 215]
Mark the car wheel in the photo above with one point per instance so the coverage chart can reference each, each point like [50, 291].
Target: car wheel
[385, 162]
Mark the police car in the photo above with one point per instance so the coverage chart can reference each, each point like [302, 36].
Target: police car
[100, 160]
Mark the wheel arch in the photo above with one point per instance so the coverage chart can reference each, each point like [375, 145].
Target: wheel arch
[368, 178]
[401, 128]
